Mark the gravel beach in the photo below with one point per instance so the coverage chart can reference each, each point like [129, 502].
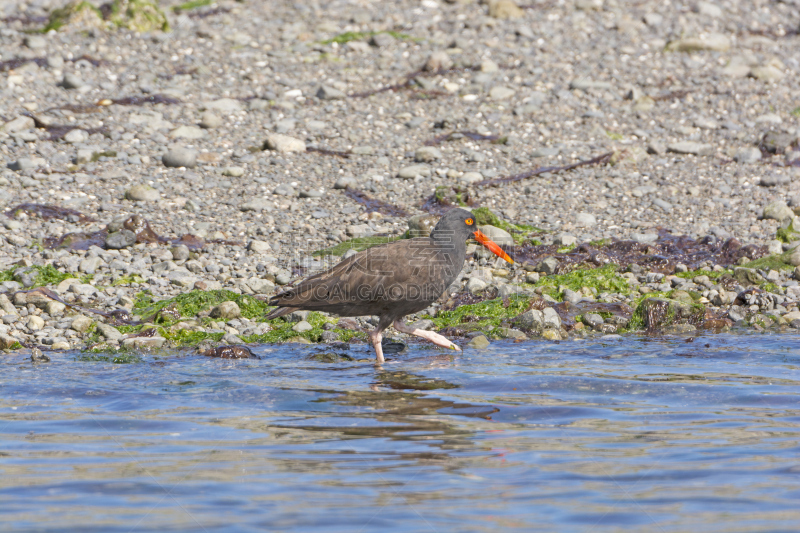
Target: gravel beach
[166, 169]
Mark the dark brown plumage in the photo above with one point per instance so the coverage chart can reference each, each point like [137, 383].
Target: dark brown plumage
[391, 280]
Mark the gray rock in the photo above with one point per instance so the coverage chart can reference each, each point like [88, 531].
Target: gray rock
[572, 297]
[72, 81]
[81, 324]
[210, 120]
[256, 204]
[284, 143]
[427, 154]
[76, 136]
[109, 332]
[38, 357]
[551, 318]
[663, 204]
[326, 92]
[259, 247]
[345, 182]
[584, 84]
[120, 239]
[187, 132]
[180, 252]
[499, 236]
[510, 333]
[438, 61]
[531, 320]
[180, 157]
[645, 238]
[777, 210]
[565, 239]
[381, 40]
[225, 105]
[18, 124]
[413, 171]
[226, 310]
[690, 147]
[476, 285]
[501, 93]
[712, 41]
[593, 320]
[585, 220]
[35, 42]
[774, 179]
[750, 154]
[144, 343]
[142, 193]
[547, 266]
[284, 190]
[302, 327]
[479, 342]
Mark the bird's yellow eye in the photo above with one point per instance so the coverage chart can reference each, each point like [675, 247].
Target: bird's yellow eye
[469, 222]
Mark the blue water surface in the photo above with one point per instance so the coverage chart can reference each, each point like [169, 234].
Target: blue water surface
[646, 434]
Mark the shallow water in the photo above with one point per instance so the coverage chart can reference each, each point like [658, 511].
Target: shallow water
[640, 434]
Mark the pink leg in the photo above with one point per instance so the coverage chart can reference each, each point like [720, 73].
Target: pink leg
[435, 338]
[376, 338]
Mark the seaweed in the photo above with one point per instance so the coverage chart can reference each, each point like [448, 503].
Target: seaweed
[599, 160]
[48, 212]
[375, 205]
[454, 135]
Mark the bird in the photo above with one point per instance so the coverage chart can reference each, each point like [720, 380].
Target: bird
[391, 280]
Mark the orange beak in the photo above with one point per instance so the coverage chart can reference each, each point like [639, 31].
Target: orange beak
[492, 246]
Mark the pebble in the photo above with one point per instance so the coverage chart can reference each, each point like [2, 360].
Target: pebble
[180, 157]
[187, 132]
[120, 239]
[326, 92]
[142, 193]
[72, 81]
[18, 124]
[76, 136]
[438, 61]
[412, 171]
[284, 143]
[585, 220]
[479, 342]
[210, 120]
[750, 154]
[501, 93]
[345, 182]
[427, 154]
[690, 147]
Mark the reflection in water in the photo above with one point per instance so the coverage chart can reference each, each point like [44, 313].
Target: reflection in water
[600, 435]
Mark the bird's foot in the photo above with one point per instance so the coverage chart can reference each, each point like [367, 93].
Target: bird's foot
[438, 340]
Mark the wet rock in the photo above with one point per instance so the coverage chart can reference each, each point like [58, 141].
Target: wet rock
[530, 320]
[421, 225]
[657, 313]
[284, 143]
[230, 352]
[143, 343]
[120, 239]
[551, 335]
[7, 342]
[180, 157]
[593, 320]
[226, 310]
[510, 333]
[479, 342]
[302, 327]
[690, 147]
[551, 318]
[38, 357]
[142, 193]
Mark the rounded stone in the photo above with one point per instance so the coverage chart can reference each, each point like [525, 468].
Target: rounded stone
[180, 157]
[120, 239]
[142, 193]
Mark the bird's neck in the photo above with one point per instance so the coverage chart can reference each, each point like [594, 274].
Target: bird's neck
[448, 241]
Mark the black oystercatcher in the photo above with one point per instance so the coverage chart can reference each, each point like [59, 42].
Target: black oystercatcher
[392, 280]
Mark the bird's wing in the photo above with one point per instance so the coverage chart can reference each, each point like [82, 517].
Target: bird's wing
[399, 271]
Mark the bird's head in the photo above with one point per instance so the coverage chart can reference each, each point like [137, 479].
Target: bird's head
[460, 223]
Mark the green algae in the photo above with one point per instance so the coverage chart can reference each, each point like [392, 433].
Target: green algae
[654, 313]
[603, 279]
[348, 36]
[120, 359]
[46, 275]
[771, 262]
[128, 279]
[787, 234]
[358, 244]
[485, 316]
[189, 304]
[192, 4]
[712, 274]
[138, 15]
[59, 17]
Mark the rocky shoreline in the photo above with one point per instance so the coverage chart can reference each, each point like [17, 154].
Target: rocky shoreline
[160, 185]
